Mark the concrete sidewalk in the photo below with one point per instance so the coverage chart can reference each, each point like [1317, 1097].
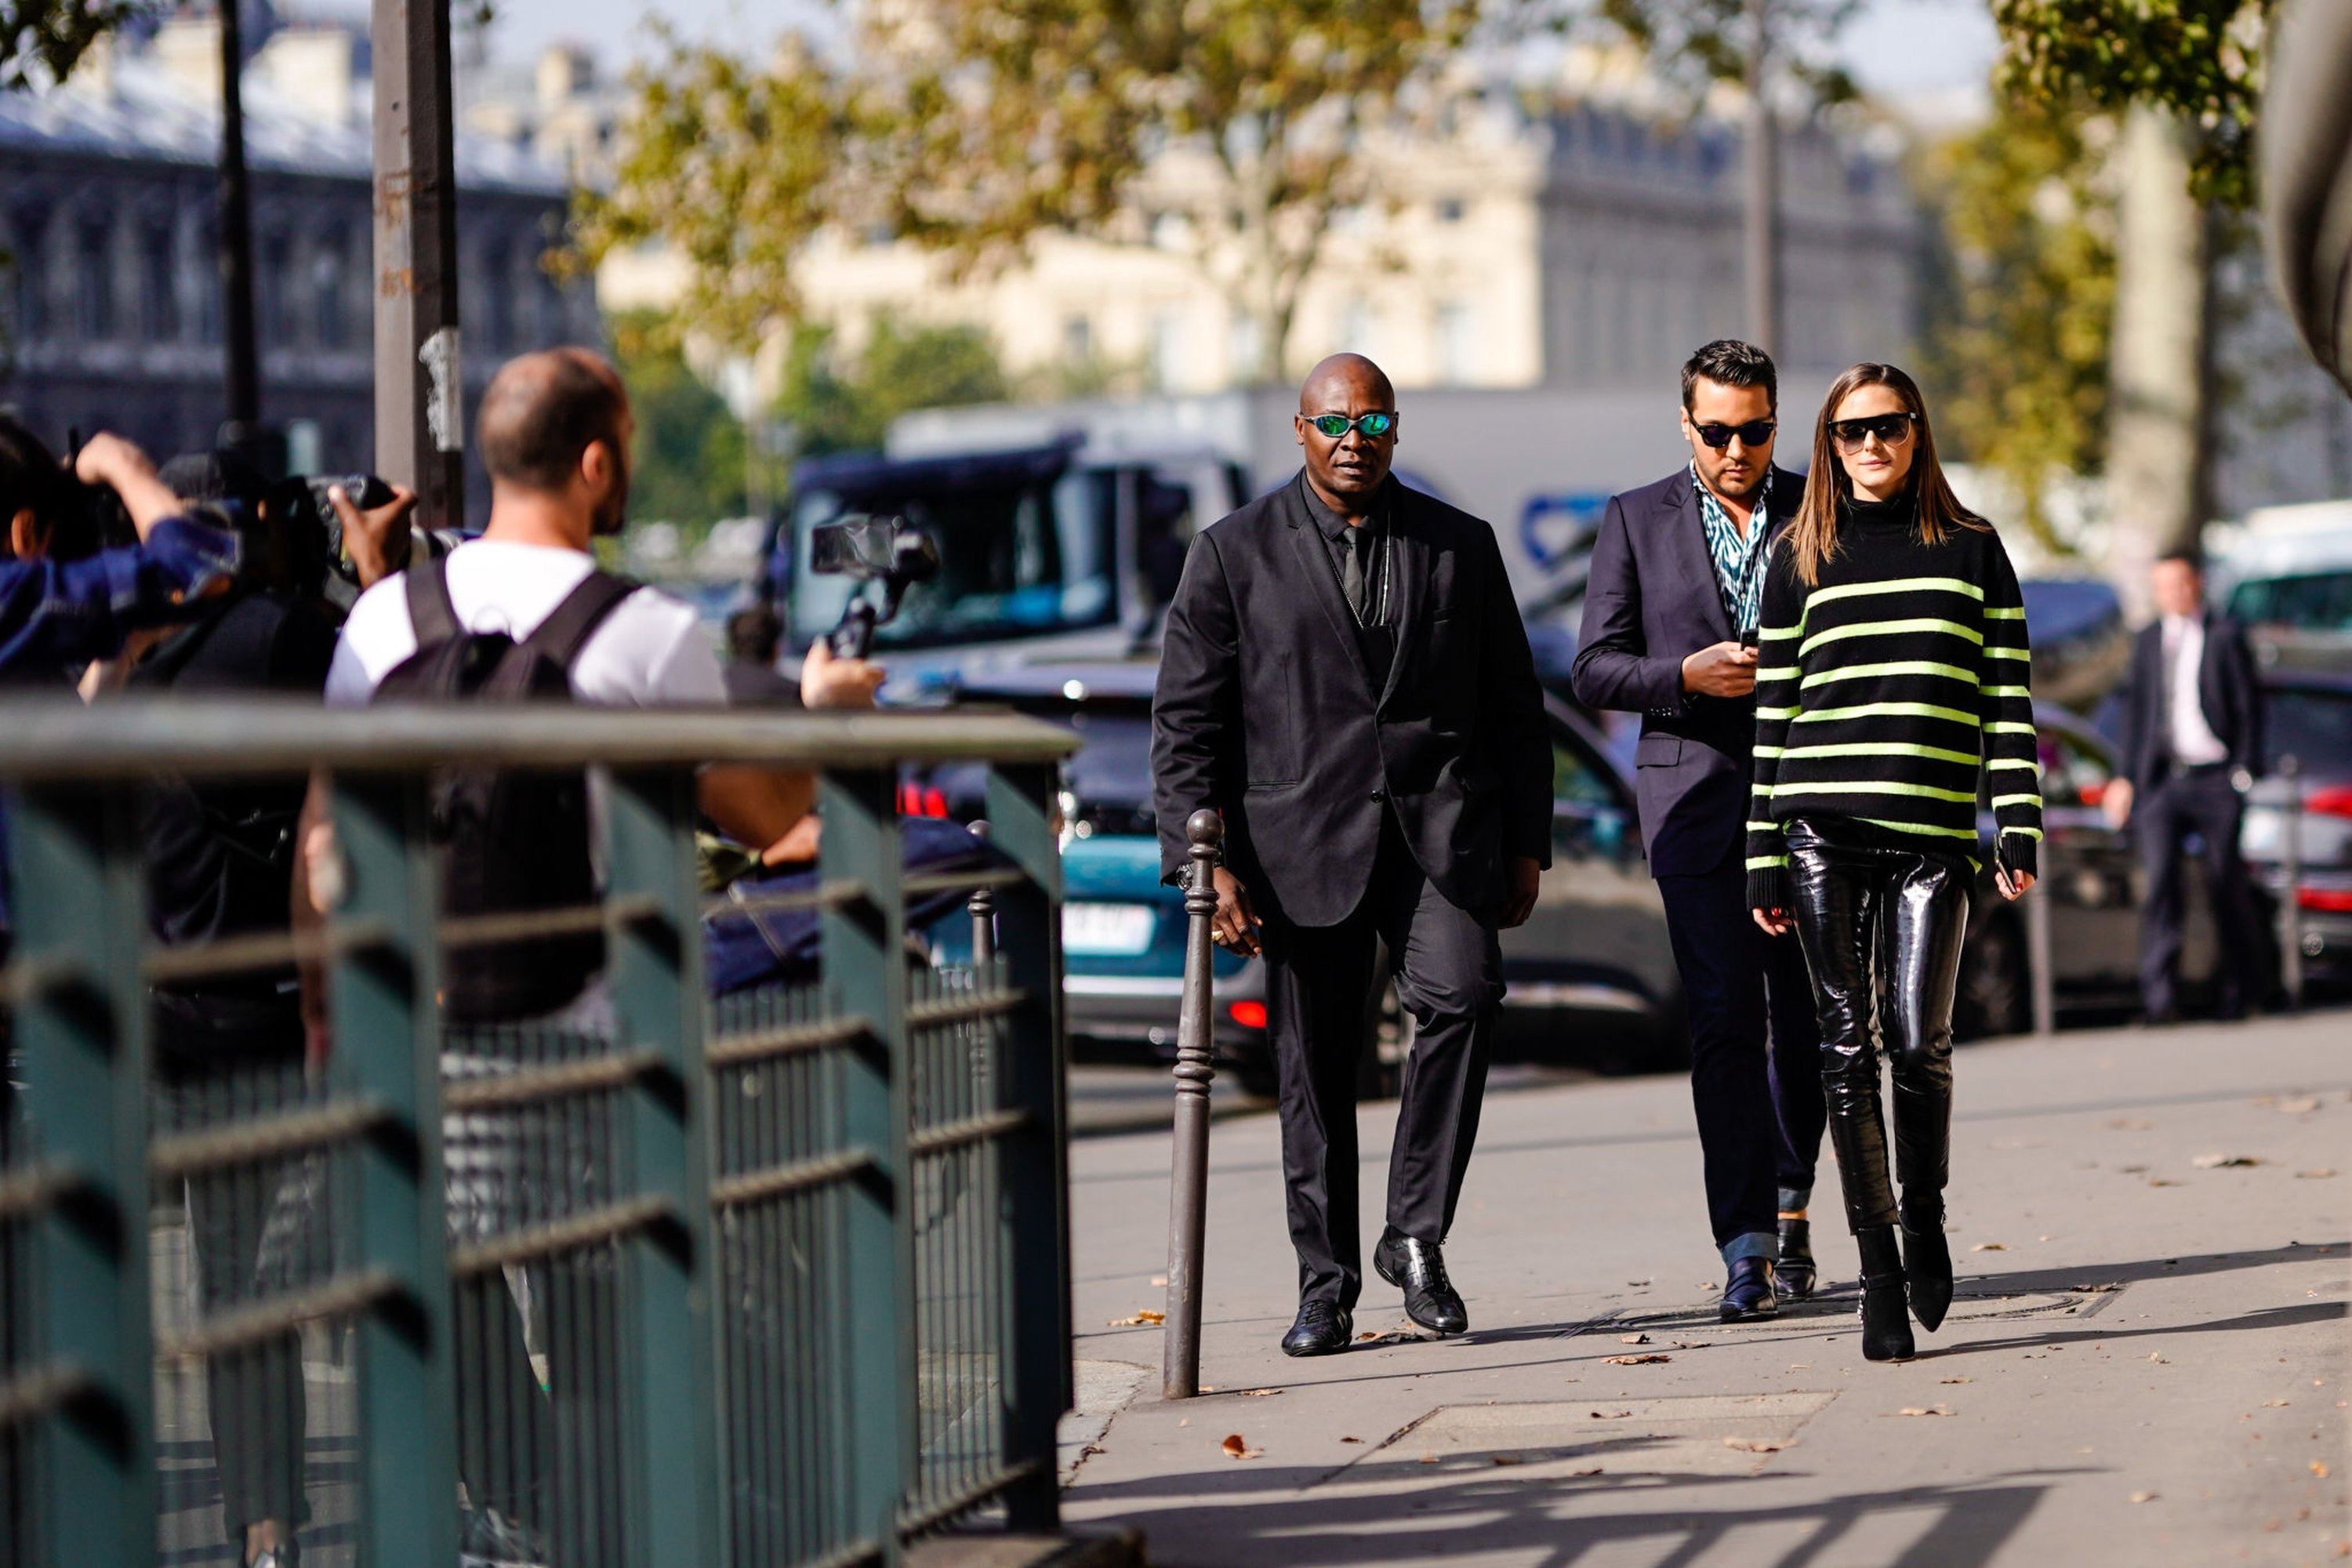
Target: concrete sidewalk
[2147, 1362]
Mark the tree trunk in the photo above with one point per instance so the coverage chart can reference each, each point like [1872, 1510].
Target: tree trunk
[2160, 436]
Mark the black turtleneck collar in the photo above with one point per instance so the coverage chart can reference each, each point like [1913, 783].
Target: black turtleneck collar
[1898, 512]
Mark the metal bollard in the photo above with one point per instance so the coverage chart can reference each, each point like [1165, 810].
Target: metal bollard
[981, 907]
[1188, 1200]
[2041, 970]
[2290, 915]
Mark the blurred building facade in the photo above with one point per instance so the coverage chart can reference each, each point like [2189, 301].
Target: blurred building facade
[109, 291]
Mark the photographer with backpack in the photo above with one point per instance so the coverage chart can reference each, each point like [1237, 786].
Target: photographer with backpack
[525, 613]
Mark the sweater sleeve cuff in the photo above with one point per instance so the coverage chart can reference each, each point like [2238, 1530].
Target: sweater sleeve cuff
[2021, 852]
[1767, 887]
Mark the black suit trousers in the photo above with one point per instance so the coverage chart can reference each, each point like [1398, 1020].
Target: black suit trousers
[1756, 1051]
[1319, 996]
[2207, 804]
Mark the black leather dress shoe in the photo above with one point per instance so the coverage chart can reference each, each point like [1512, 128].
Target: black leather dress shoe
[1417, 1268]
[1748, 1295]
[1795, 1275]
[1321, 1328]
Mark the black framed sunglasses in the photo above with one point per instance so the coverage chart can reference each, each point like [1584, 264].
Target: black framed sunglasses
[1335, 426]
[1755, 433]
[1891, 430]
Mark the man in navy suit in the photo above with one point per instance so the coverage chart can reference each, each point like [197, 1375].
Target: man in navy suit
[1676, 581]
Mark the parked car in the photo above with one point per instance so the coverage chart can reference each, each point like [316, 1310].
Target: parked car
[1590, 977]
[2308, 718]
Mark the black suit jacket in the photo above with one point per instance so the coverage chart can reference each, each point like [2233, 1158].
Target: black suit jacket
[2226, 688]
[1650, 602]
[1265, 711]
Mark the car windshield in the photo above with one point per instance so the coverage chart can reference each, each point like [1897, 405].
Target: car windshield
[2312, 602]
[1024, 558]
[2315, 727]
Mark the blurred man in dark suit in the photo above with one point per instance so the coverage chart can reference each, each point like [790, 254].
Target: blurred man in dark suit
[1345, 677]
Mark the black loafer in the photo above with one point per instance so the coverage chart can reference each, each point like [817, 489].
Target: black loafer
[1321, 1328]
[1418, 1269]
[1748, 1295]
[1795, 1275]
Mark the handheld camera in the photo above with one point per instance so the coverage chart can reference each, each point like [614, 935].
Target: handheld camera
[885, 550]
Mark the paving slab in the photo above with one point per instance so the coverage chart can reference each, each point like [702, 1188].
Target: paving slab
[2146, 1360]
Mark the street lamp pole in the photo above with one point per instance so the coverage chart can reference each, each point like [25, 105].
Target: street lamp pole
[1763, 236]
[420, 402]
[240, 352]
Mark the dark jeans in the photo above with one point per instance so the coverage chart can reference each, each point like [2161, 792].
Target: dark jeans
[1883, 921]
[1448, 970]
[2203, 802]
[1756, 1080]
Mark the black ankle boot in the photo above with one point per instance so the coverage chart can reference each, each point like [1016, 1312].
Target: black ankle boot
[1886, 1329]
[1927, 1263]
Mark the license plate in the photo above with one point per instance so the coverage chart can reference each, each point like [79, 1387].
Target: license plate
[1103, 930]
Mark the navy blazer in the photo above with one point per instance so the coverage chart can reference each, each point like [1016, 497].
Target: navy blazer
[2226, 689]
[1265, 710]
[1650, 602]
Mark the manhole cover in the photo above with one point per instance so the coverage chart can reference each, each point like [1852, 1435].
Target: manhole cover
[1712, 1434]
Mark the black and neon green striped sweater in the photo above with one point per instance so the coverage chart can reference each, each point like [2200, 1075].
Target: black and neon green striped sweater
[1888, 688]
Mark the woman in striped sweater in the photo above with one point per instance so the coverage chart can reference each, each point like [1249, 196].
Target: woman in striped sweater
[1893, 676]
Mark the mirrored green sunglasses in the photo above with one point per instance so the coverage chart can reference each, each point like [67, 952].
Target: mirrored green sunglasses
[1338, 425]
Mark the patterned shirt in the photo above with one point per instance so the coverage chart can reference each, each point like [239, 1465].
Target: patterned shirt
[1738, 558]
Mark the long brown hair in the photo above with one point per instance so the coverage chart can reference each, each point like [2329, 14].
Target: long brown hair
[1813, 537]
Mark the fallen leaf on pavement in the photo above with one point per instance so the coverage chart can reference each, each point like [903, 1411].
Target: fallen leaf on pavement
[1594, 1471]
[1955, 1380]
[2156, 1356]
[2273, 1404]
[1259, 1392]
[1637, 1360]
[1751, 1445]
[1503, 1459]
[2224, 1162]
[2319, 1469]
[1632, 1339]
[1351, 1439]
[2160, 1182]
[2143, 1497]
[1429, 1458]
[2132, 1170]
[1990, 1247]
[1160, 1279]
[1610, 1414]
[1637, 1281]
[1146, 1316]
[1924, 1410]
[2130, 1124]
[1236, 1448]
[2297, 1106]
[2320, 1175]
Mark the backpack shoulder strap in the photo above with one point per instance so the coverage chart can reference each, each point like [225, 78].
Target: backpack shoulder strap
[569, 626]
[431, 612]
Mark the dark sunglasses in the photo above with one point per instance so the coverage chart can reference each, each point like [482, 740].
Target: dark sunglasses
[1755, 433]
[1891, 430]
[1338, 425]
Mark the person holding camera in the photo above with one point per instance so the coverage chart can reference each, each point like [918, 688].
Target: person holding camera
[1677, 578]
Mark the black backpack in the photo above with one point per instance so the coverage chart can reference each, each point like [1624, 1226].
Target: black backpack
[512, 840]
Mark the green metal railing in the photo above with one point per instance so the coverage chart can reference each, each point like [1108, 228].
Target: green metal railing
[778, 1280]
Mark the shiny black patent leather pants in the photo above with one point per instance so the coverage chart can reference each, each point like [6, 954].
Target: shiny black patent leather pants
[1881, 921]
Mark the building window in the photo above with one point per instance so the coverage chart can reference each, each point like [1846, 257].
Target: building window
[1077, 340]
[1457, 344]
[25, 276]
[1356, 328]
[159, 285]
[94, 319]
[1449, 209]
[327, 322]
[1245, 351]
[273, 287]
[1167, 350]
[208, 295]
[498, 297]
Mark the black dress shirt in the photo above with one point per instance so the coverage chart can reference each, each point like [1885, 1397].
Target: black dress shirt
[1371, 534]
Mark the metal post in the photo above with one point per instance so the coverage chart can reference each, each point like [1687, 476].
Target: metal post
[981, 907]
[240, 350]
[2290, 915]
[2040, 976]
[388, 1031]
[83, 1033]
[420, 403]
[1188, 1200]
[654, 966]
[1763, 171]
[865, 955]
[1038, 1381]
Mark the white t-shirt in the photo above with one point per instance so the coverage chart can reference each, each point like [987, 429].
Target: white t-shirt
[649, 652]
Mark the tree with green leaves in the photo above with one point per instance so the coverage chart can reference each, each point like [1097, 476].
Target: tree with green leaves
[43, 40]
[688, 465]
[2020, 296]
[972, 128]
[837, 403]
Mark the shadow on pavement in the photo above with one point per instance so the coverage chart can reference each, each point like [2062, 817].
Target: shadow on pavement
[1959, 1527]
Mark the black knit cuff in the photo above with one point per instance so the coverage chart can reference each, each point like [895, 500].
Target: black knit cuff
[1767, 887]
[2021, 853]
